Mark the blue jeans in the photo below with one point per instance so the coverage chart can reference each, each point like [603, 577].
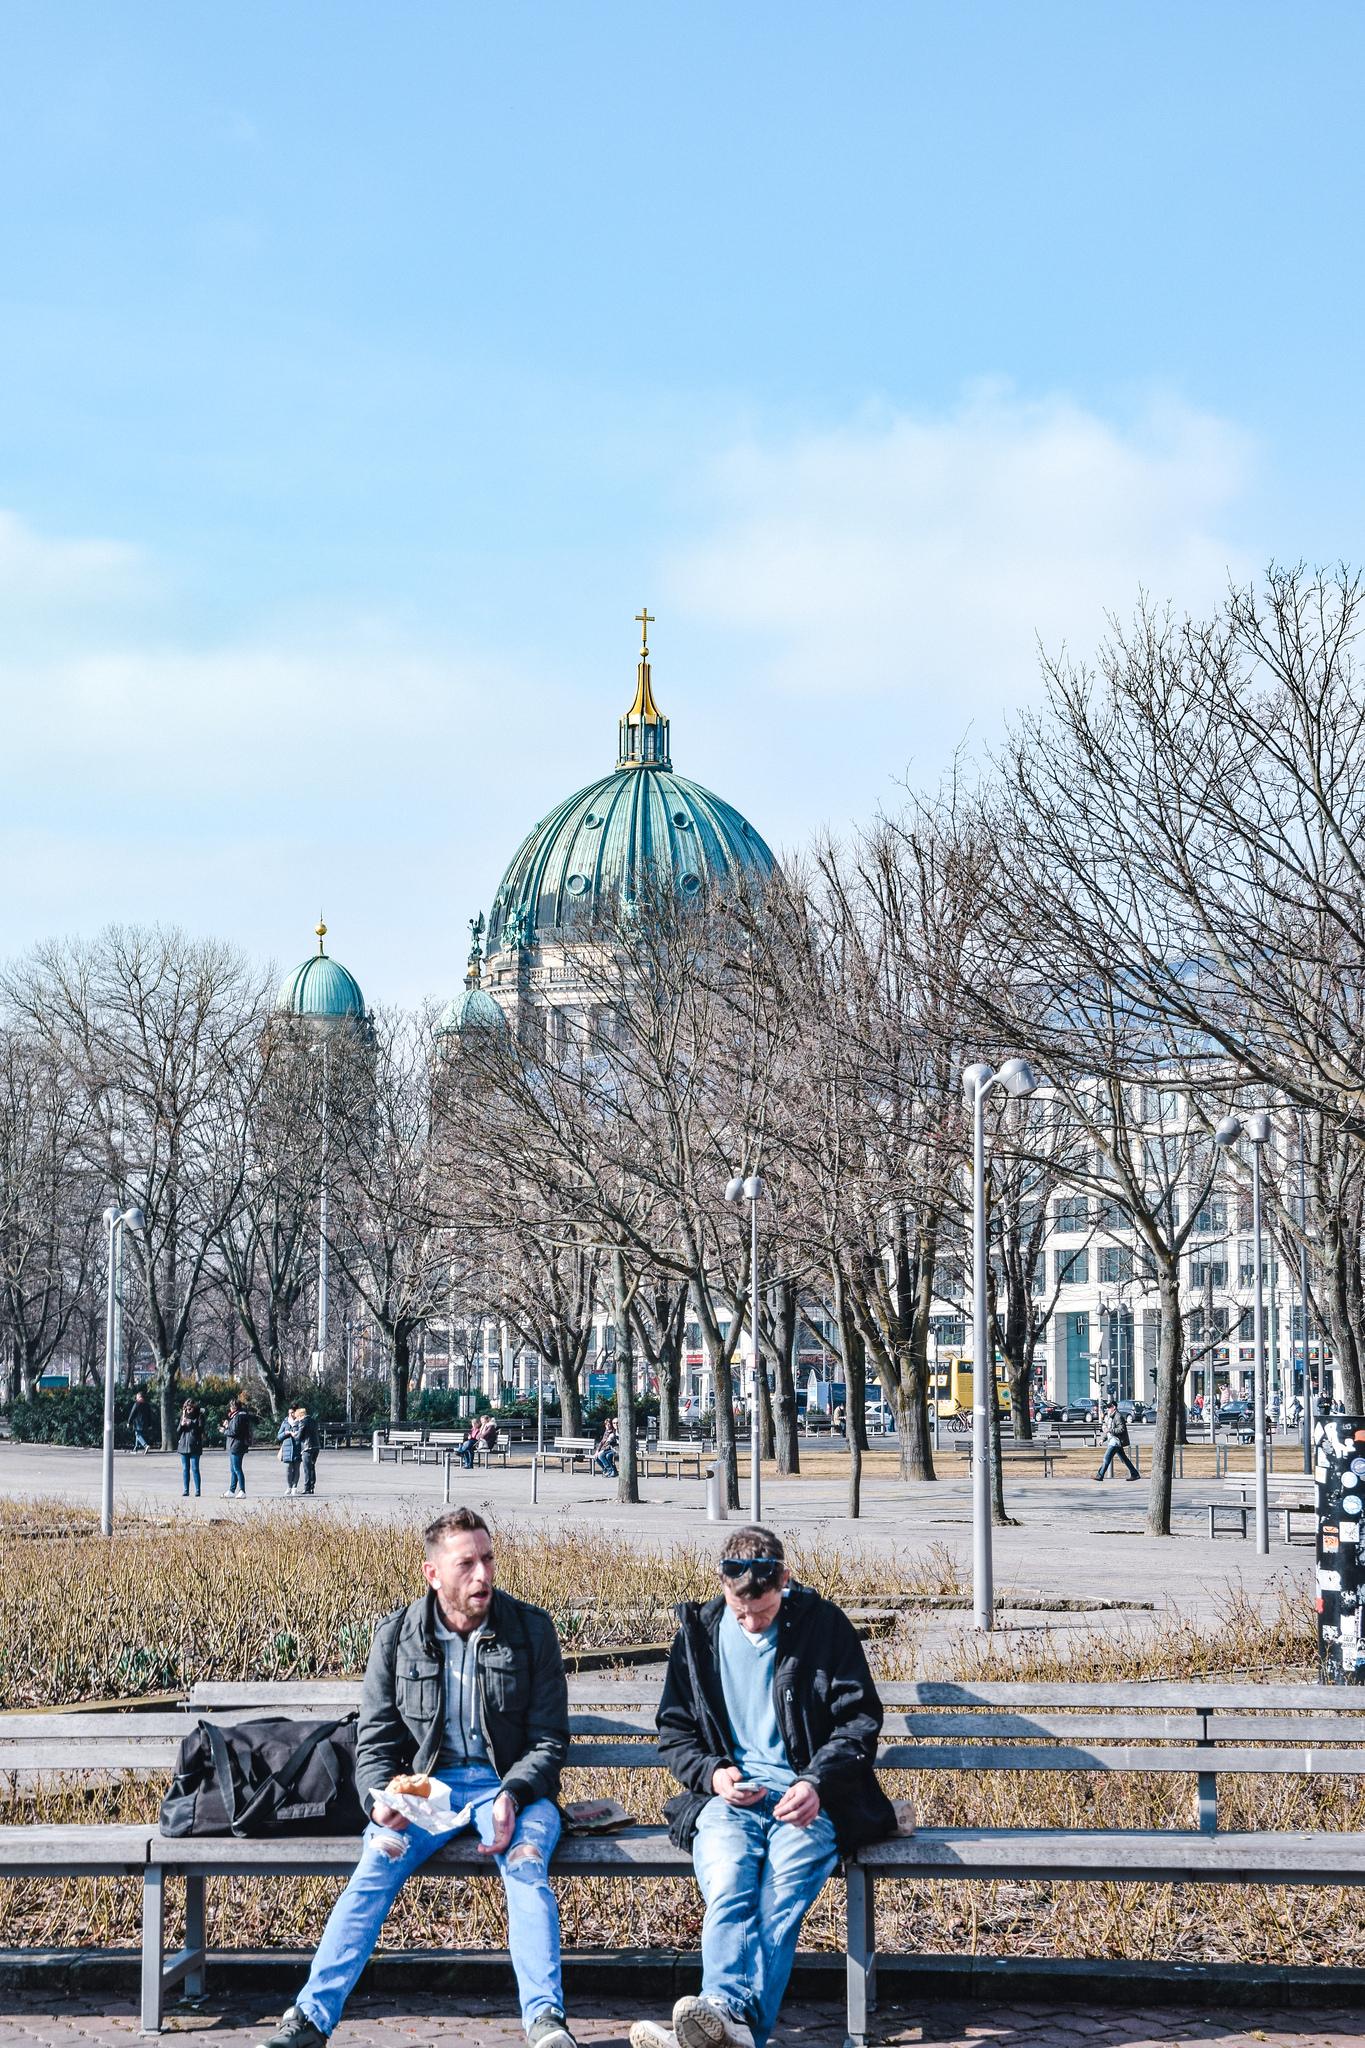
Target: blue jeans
[189, 1464]
[532, 1912]
[1116, 1451]
[759, 1878]
[236, 1476]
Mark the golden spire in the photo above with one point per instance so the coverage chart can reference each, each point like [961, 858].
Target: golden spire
[644, 711]
[321, 930]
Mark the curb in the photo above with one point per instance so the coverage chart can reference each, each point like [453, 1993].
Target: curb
[663, 1975]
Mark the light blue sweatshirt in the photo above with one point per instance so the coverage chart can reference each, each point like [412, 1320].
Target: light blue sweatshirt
[747, 1664]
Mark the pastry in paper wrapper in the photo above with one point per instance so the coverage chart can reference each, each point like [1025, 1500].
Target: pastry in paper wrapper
[432, 1813]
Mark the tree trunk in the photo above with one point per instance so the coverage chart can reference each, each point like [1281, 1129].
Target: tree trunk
[1021, 1408]
[998, 1516]
[1168, 1380]
[765, 1406]
[570, 1393]
[400, 1373]
[855, 1411]
[785, 1324]
[627, 1467]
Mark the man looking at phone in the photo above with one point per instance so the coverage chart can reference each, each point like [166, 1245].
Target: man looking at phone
[769, 1720]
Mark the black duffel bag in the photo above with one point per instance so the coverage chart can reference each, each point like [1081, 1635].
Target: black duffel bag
[267, 1777]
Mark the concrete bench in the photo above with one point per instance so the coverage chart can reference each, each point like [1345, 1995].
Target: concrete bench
[1293, 1503]
[1201, 1731]
[679, 1451]
[569, 1453]
[1043, 1454]
[398, 1444]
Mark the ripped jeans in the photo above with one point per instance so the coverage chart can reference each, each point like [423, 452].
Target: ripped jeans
[532, 1911]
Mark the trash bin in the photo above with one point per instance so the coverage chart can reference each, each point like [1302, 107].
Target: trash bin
[1339, 1468]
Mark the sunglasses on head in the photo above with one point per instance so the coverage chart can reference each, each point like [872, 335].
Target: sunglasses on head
[764, 1569]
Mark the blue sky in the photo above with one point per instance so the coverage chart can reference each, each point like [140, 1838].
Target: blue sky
[365, 367]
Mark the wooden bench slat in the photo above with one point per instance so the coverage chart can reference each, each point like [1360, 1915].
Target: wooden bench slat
[1026, 1756]
[1128, 1857]
[636, 1851]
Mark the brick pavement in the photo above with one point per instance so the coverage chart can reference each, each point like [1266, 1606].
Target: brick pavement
[30, 2021]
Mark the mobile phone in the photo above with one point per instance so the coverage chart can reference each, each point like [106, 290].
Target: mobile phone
[749, 1785]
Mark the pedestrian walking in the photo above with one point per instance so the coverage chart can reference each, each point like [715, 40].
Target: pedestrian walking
[289, 1453]
[140, 1422]
[190, 1443]
[1114, 1430]
[237, 1435]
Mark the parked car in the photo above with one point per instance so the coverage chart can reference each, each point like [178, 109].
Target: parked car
[1049, 1411]
[1133, 1410]
[1235, 1415]
[1079, 1411]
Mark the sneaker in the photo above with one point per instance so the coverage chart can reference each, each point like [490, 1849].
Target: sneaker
[649, 2034]
[295, 2030]
[707, 2022]
[548, 2030]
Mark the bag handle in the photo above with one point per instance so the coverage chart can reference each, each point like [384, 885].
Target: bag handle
[279, 1783]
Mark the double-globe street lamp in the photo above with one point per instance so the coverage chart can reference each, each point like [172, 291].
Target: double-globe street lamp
[751, 1189]
[1017, 1078]
[1256, 1129]
[116, 1221]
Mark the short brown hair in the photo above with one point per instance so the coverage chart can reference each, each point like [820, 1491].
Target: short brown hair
[753, 1540]
[454, 1522]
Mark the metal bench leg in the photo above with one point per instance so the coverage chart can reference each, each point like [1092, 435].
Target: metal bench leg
[194, 1934]
[153, 1946]
[860, 1944]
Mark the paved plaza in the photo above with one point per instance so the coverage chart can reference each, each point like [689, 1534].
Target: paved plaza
[1075, 1541]
[44, 2022]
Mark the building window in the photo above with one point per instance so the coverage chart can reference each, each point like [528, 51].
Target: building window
[1072, 1268]
[1205, 1271]
[1213, 1217]
[1114, 1264]
[1072, 1212]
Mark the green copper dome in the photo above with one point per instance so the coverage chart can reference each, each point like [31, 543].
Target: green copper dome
[320, 989]
[475, 1010]
[614, 841]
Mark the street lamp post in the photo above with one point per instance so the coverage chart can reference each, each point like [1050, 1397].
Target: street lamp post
[1307, 1417]
[752, 1191]
[1017, 1078]
[116, 1221]
[1256, 1129]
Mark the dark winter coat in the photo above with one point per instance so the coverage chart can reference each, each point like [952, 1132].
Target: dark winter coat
[828, 1714]
[190, 1440]
[1116, 1425]
[237, 1431]
[523, 1698]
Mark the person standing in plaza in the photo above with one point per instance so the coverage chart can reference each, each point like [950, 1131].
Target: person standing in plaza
[1114, 1430]
[237, 1435]
[290, 1453]
[310, 1443]
[466, 1686]
[190, 1444]
[769, 1720]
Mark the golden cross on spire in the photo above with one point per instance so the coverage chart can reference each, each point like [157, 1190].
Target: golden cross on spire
[646, 618]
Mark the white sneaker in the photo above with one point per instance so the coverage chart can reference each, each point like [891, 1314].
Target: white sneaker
[649, 2034]
[707, 2022]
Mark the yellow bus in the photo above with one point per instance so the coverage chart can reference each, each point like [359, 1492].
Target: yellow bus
[950, 1385]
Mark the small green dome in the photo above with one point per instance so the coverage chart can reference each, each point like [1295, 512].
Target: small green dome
[474, 1010]
[321, 989]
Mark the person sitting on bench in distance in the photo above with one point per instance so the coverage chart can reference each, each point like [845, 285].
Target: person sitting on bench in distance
[465, 1685]
[769, 1720]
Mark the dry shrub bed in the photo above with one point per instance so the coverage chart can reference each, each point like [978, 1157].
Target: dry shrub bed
[282, 1596]
[187, 1604]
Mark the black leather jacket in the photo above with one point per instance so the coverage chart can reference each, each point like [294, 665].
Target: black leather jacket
[523, 1698]
[827, 1711]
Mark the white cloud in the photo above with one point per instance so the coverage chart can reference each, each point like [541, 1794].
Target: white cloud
[38, 573]
[905, 553]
